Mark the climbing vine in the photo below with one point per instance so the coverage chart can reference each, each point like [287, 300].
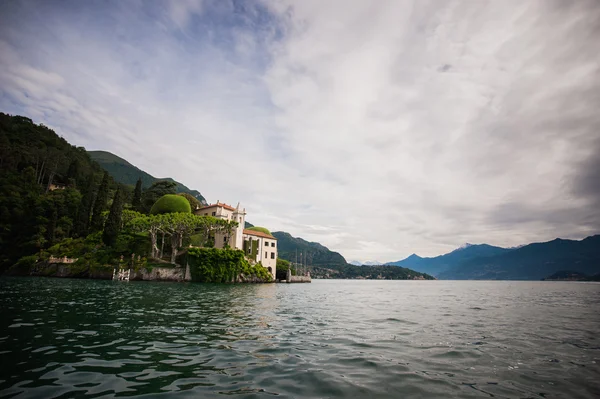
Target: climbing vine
[212, 265]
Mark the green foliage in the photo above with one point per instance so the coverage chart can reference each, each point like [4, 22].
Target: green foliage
[261, 229]
[156, 191]
[170, 203]
[34, 218]
[282, 268]
[136, 202]
[253, 248]
[197, 240]
[82, 223]
[112, 227]
[27, 262]
[178, 227]
[212, 265]
[194, 203]
[367, 272]
[100, 203]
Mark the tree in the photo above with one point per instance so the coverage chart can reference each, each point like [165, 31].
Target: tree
[177, 226]
[112, 226]
[73, 171]
[157, 190]
[136, 203]
[194, 203]
[85, 210]
[170, 204]
[100, 204]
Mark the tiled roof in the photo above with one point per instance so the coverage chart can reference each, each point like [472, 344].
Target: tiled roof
[259, 234]
[228, 207]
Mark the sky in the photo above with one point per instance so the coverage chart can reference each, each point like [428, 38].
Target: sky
[379, 129]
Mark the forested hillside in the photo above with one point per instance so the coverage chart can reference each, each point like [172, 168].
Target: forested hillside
[33, 161]
[289, 248]
[126, 173]
[56, 202]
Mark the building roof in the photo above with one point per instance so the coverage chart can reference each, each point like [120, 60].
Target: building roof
[218, 204]
[258, 234]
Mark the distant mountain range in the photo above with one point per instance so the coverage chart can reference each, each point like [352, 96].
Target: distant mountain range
[126, 173]
[528, 262]
[439, 264]
[365, 263]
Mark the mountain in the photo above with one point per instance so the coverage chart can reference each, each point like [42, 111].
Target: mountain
[372, 263]
[532, 262]
[365, 263]
[323, 263]
[318, 255]
[126, 173]
[442, 263]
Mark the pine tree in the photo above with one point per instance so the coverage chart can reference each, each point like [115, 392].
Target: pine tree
[136, 203]
[113, 222]
[100, 204]
[85, 210]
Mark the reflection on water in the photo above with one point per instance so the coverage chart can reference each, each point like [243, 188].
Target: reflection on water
[65, 338]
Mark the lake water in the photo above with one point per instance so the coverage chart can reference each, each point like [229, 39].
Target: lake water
[329, 339]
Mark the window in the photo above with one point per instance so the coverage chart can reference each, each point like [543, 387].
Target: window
[224, 239]
[214, 213]
[266, 243]
[272, 255]
[272, 244]
[265, 255]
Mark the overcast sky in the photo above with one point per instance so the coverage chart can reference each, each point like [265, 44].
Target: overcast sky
[377, 128]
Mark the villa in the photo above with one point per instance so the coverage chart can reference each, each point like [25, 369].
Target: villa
[257, 243]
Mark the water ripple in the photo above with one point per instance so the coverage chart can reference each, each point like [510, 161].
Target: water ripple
[376, 339]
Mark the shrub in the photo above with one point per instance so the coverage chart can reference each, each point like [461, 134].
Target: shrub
[171, 203]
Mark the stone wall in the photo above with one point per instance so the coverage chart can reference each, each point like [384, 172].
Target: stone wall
[299, 279]
[160, 274]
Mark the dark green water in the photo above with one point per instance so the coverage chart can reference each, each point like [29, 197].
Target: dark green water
[362, 339]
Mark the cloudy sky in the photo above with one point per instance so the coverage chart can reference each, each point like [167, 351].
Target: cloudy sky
[378, 129]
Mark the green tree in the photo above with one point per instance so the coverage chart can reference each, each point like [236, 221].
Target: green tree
[136, 202]
[112, 227]
[51, 229]
[100, 204]
[194, 203]
[170, 204]
[82, 224]
[157, 190]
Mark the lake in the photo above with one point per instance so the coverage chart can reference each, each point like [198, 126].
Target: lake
[329, 339]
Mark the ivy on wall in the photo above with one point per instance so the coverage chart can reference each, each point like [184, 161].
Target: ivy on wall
[213, 265]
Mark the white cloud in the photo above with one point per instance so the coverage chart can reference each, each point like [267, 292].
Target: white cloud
[376, 128]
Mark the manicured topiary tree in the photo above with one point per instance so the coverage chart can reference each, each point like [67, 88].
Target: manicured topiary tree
[171, 203]
[261, 229]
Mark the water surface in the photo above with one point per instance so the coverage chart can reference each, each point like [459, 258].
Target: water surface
[329, 339]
